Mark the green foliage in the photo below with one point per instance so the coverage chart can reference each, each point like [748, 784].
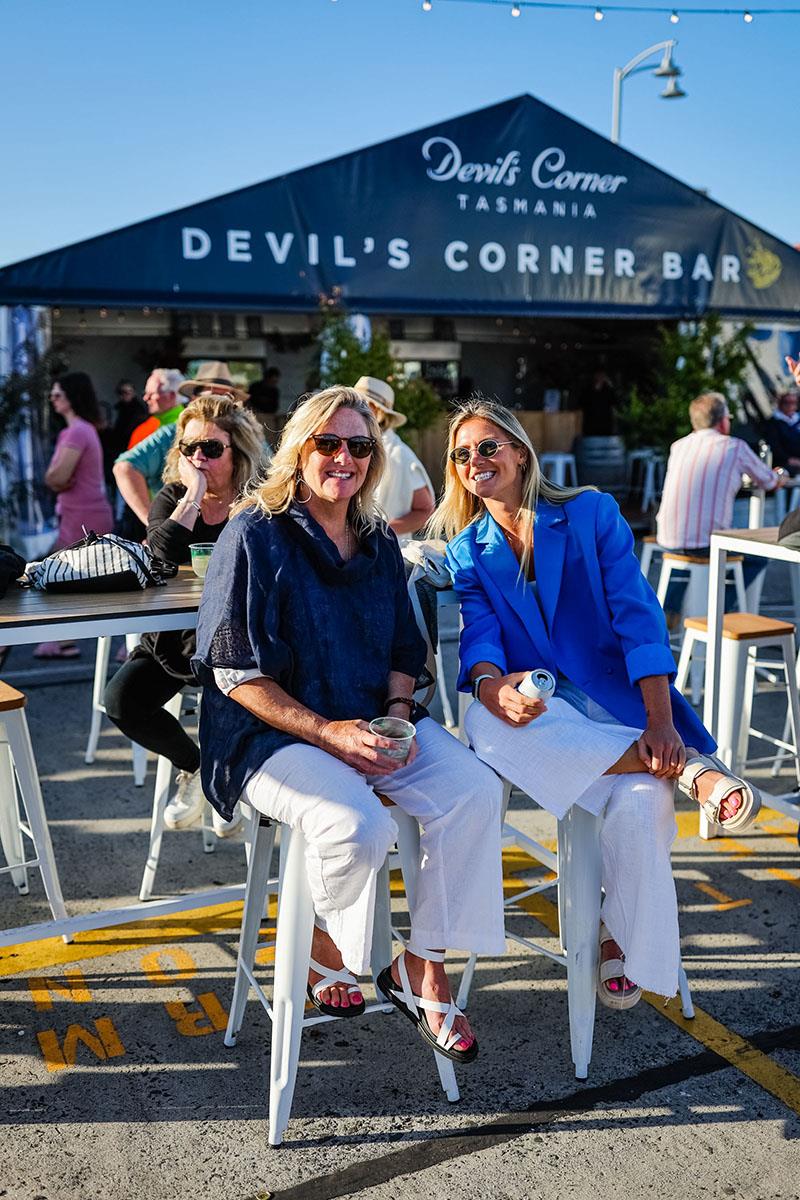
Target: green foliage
[692, 359]
[344, 360]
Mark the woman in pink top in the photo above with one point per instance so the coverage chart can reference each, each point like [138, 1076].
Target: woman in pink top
[75, 473]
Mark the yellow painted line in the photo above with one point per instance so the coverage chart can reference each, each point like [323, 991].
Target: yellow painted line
[712, 1034]
[724, 903]
[52, 952]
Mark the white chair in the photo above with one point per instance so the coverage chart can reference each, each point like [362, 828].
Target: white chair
[161, 792]
[101, 662]
[650, 548]
[557, 467]
[293, 950]
[577, 867]
[696, 596]
[743, 635]
[18, 768]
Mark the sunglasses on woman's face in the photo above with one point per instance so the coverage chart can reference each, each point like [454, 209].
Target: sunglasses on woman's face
[211, 447]
[486, 449]
[329, 444]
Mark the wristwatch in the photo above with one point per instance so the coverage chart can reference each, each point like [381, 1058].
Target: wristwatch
[476, 684]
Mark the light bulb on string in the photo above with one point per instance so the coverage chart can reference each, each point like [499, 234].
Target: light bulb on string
[426, 5]
[748, 17]
[674, 18]
[598, 14]
[515, 10]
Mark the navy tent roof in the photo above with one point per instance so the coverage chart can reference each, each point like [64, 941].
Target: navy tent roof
[513, 209]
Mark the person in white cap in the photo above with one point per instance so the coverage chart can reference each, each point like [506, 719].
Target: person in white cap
[405, 493]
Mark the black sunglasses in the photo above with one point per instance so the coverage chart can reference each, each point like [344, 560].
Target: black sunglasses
[487, 449]
[211, 447]
[330, 444]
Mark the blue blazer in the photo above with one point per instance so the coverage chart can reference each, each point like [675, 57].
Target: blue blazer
[599, 623]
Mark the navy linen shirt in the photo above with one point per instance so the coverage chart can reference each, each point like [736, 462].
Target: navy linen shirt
[279, 597]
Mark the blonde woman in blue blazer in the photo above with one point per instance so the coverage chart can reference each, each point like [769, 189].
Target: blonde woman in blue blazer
[547, 577]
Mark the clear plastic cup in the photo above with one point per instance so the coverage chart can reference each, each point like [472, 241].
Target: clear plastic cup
[397, 731]
[201, 553]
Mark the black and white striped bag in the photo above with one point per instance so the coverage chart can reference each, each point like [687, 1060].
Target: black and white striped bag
[99, 563]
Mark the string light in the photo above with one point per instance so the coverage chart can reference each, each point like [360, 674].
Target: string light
[673, 15]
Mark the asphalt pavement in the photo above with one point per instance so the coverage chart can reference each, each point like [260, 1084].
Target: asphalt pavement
[116, 1082]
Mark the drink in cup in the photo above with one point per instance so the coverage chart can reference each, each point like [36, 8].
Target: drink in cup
[400, 733]
[201, 553]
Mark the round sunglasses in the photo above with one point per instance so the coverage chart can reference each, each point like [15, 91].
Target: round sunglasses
[487, 449]
[329, 444]
[211, 447]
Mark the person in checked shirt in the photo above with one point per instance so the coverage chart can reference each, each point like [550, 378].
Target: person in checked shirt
[704, 473]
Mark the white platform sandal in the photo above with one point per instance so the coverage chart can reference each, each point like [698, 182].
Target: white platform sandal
[414, 1007]
[331, 977]
[723, 788]
[614, 968]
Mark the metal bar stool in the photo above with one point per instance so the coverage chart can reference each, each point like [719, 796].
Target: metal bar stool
[743, 634]
[557, 466]
[18, 769]
[101, 662]
[293, 950]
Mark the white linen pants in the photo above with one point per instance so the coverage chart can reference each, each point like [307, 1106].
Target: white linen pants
[560, 759]
[457, 801]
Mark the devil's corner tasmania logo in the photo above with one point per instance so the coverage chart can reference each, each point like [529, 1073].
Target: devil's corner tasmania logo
[763, 266]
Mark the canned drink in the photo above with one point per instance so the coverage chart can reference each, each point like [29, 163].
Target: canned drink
[537, 685]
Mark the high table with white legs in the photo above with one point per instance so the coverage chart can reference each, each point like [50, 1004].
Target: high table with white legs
[28, 617]
[760, 543]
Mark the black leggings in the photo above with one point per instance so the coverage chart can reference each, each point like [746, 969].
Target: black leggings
[133, 700]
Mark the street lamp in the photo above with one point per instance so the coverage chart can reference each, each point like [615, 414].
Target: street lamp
[666, 70]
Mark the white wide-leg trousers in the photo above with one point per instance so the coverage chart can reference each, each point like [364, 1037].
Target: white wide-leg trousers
[457, 801]
[560, 759]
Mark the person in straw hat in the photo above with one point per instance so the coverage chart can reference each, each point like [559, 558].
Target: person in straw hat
[214, 377]
[405, 493]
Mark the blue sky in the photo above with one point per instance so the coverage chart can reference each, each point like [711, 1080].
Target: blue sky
[114, 112]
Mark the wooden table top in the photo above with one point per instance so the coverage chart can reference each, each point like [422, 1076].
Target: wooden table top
[26, 609]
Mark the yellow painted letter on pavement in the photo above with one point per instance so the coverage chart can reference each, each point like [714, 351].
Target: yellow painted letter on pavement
[104, 1044]
[160, 972]
[74, 989]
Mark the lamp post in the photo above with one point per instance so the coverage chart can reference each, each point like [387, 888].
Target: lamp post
[666, 70]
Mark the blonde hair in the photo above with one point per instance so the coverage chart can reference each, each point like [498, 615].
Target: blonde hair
[459, 507]
[247, 439]
[278, 489]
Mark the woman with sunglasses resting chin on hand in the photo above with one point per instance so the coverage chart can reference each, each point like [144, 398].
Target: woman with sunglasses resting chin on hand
[547, 577]
[305, 635]
[218, 449]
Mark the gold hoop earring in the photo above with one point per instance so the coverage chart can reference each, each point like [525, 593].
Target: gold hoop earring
[298, 479]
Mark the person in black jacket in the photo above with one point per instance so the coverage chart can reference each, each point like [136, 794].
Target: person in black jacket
[219, 448]
[782, 432]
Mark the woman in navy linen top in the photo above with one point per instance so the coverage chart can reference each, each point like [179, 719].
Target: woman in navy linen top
[547, 577]
[305, 634]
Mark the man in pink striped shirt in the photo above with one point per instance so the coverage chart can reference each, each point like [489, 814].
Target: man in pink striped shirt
[704, 473]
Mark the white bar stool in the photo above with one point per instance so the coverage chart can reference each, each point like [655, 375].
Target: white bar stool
[653, 480]
[18, 767]
[293, 950]
[557, 467]
[650, 548]
[696, 597]
[101, 662]
[577, 867]
[161, 791]
[743, 634]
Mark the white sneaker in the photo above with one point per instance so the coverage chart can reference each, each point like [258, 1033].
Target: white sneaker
[223, 828]
[186, 806]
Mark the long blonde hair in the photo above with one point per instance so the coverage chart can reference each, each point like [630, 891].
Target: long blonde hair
[247, 439]
[278, 489]
[459, 507]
